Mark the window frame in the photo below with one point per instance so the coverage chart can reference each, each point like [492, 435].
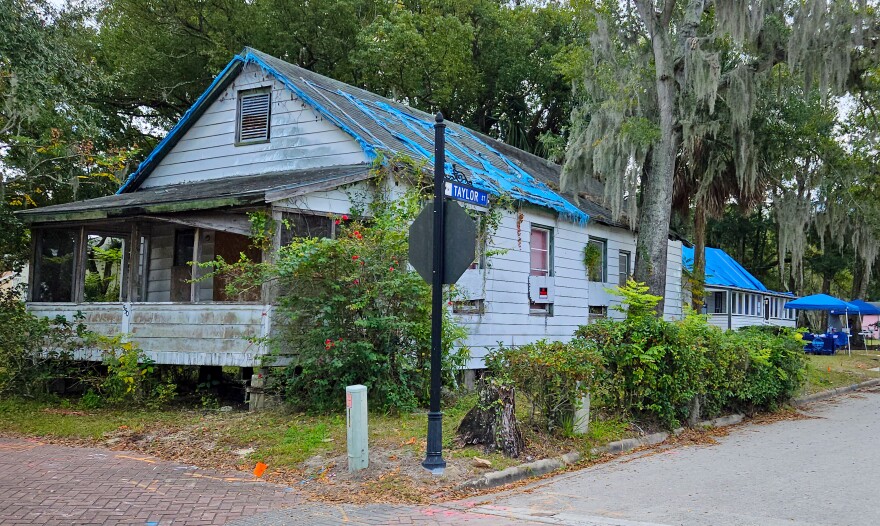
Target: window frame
[623, 275]
[722, 305]
[241, 96]
[549, 251]
[604, 243]
[541, 309]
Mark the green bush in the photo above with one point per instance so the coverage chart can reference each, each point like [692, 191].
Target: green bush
[552, 375]
[34, 351]
[777, 366]
[131, 377]
[655, 369]
[352, 314]
[348, 311]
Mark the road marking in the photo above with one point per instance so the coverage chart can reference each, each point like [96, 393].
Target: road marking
[148, 460]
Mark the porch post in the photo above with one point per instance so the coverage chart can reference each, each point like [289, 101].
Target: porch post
[132, 289]
[79, 267]
[36, 236]
[197, 250]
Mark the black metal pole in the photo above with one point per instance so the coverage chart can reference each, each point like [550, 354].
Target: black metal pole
[434, 458]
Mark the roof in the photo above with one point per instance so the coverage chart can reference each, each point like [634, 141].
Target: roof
[382, 126]
[723, 271]
[202, 195]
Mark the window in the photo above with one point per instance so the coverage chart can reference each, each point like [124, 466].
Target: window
[253, 116]
[468, 307]
[624, 266]
[739, 303]
[54, 265]
[718, 302]
[104, 268]
[183, 247]
[539, 248]
[597, 261]
[597, 312]
[303, 225]
[540, 259]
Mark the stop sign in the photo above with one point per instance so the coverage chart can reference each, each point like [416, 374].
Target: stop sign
[460, 233]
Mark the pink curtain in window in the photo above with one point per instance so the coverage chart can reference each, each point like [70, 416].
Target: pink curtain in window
[538, 245]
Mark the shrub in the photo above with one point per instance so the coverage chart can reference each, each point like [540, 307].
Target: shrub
[657, 369]
[131, 377]
[348, 311]
[777, 366]
[352, 314]
[552, 375]
[34, 351]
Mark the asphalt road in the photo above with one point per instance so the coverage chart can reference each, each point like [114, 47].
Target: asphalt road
[819, 471]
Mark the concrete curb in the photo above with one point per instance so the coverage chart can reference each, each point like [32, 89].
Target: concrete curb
[542, 467]
[824, 395]
[515, 473]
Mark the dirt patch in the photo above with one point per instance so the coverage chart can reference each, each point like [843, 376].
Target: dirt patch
[782, 415]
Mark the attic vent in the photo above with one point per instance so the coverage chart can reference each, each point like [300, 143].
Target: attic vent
[253, 116]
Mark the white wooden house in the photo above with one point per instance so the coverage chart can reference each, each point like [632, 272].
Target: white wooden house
[268, 135]
[735, 298]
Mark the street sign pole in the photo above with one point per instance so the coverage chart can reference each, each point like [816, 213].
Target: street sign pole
[434, 459]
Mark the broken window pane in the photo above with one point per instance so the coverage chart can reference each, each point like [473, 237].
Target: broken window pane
[304, 225]
[104, 268]
[54, 266]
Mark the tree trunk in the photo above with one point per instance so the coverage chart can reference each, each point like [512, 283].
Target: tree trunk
[656, 210]
[699, 273]
[492, 422]
[860, 279]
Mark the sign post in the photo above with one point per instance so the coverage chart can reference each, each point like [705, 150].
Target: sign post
[434, 458]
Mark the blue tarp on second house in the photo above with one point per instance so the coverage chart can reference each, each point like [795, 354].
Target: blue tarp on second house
[722, 270]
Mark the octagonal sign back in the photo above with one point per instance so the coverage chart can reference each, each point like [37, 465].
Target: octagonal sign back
[460, 233]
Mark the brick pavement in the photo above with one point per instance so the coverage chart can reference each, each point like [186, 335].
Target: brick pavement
[45, 484]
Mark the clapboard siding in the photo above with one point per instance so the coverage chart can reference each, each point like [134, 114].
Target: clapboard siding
[674, 301]
[207, 334]
[179, 334]
[299, 138]
[161, 260]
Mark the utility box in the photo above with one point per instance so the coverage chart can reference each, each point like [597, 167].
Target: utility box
[356, 426]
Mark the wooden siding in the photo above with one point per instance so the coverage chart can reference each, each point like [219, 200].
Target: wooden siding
[162, 258]
[299, 138]
[173, 333]
[674, 300]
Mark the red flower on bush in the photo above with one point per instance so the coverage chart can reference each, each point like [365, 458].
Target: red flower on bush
[344, 217]
[390, 269]
[354, 257]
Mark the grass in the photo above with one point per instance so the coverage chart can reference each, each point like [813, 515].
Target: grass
[279, 438]
[28, 417]
[829, 372]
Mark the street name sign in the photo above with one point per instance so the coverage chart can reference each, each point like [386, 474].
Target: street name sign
[467, 194]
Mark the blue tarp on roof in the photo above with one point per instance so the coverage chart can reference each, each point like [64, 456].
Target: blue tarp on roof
[722, 270]
[383, 126]
[821, 302]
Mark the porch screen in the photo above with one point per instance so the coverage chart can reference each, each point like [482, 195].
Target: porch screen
[54, 266]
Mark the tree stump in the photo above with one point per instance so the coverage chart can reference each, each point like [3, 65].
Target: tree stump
[492, 422]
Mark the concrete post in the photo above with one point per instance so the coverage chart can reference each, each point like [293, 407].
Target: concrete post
[582, 416]
[357, 432]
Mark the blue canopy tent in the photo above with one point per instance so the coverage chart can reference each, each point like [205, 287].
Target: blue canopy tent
[865, 309]
[826, 303]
